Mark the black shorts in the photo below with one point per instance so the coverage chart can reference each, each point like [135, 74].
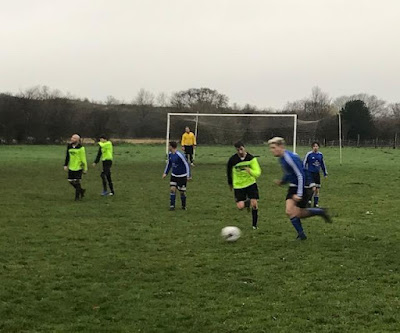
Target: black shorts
[179, 182]
[189, 150]
[308, 193]
[304, 200]
[74, 174]
[107, 166]
[315, 179]
[249, 192]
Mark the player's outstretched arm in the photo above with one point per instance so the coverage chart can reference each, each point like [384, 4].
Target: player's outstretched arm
[323, 166]
[98, 156]
[167, 168]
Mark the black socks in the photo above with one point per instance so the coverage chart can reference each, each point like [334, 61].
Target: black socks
[254, 214]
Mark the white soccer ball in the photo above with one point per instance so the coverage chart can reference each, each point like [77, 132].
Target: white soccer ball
[230, 234]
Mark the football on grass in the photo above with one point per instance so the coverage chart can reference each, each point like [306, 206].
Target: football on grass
[230, 234]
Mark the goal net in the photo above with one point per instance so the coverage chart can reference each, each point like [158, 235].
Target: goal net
[225, 129]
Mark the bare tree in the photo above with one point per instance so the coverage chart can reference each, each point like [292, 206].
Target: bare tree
[40, 93]
[200, 100]
[111, 100]
[377, 107]
[48, 93]
[317, 106]
[235, 107]
[394, 110]
[298, 107]
[341, 101]
[162, 100]
[144, 97]
[30, 93]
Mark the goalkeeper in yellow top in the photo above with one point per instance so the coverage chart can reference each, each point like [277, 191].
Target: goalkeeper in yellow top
[188, 144]
[76, 164]
[105, 153]
[242, 172]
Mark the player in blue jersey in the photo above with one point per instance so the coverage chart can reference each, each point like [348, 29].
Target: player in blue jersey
[313, 163]
[180, 173]
[296, 199]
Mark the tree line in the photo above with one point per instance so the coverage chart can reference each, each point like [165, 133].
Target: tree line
[43, 115]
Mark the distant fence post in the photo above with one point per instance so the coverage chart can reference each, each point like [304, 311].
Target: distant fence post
[395, 141]
[358, 140]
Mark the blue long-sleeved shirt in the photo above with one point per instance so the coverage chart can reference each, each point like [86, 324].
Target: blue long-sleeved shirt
[314, 162]
[293, 171]
[178, 164]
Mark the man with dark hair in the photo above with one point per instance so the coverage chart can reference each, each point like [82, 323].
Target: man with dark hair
[105, 153]
[76, 164]
[188, 144]
[296, 199]
[313, 163]
[180, 173]
[242, 172]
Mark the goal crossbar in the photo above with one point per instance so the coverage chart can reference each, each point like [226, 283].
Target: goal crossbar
[197, 115]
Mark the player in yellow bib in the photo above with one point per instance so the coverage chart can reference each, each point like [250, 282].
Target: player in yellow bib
[76, 164]
[105, 153]
[242, 172]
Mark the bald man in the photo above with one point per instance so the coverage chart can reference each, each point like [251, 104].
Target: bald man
[76, 164]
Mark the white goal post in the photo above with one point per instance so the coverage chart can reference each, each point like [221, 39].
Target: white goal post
[197, 115]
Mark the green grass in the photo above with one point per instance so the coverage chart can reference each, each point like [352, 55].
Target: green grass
[127, 264]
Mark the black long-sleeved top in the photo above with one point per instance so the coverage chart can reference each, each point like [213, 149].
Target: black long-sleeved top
[99, 152]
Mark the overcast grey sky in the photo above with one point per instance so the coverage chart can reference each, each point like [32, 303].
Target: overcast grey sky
[262, 52]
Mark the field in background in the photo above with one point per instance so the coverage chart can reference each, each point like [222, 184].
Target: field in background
[127, 264]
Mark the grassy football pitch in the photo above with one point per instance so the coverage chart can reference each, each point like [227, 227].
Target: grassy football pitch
[127, 264]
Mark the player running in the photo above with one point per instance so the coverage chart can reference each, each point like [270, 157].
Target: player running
[188, 144]
[296, 200]
[76, 164]
[242, 172]
[105, 153]
[180, 173]
[313, 163]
